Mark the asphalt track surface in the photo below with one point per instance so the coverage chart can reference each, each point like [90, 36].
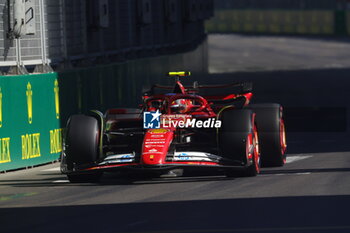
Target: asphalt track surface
[310, 194]
[235, 53]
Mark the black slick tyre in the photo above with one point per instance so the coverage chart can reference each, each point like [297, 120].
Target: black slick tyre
[272, 135]
[82, 144]
[238, 141]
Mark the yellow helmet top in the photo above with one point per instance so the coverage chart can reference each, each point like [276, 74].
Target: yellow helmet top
[179, 73]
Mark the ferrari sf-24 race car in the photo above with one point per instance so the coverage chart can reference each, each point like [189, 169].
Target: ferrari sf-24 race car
[178, 127]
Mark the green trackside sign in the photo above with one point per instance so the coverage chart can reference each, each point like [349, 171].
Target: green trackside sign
[30, 132]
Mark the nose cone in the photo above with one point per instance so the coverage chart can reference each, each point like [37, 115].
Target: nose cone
[155, 146]
[153, 158]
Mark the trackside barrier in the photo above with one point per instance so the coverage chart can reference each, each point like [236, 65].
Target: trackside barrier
[277, 21]
[30, 132]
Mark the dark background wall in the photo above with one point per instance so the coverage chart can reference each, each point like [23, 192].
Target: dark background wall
[80, 33]
[108, 61]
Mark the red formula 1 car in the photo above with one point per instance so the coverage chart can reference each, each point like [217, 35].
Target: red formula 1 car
[200, 126]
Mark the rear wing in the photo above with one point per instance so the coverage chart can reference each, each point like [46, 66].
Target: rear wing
[203, 90]
[225, 89]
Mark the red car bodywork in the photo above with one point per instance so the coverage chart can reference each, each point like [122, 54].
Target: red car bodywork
[157, 142]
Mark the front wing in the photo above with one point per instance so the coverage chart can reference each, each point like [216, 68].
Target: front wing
[192, 159]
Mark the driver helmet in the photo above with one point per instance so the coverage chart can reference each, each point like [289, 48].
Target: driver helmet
[179, 106]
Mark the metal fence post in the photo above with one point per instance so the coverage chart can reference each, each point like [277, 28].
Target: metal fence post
[42, 32]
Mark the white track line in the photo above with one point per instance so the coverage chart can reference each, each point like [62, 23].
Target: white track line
[303, 173]
[292, 159]
[55, 169]
[60, 181]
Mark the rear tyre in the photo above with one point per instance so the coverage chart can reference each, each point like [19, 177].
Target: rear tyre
[272, 134]
[238, 141]
[82, 144]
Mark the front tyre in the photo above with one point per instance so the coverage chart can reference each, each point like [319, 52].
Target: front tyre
[253, 152]
[238, 141]
[82, 145]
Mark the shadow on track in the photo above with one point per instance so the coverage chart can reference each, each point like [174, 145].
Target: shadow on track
[118, 179]
[310, 214]
[316, 103]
